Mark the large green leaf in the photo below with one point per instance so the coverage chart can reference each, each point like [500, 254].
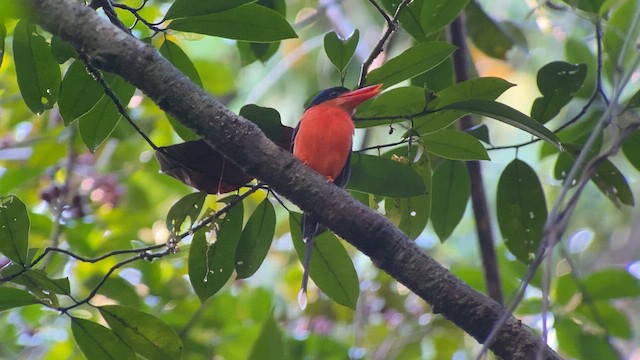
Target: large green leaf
[79, 92]
[270, 344]
[12, 298]
[62, 50]
[331, 268]
[172, 52]
[593, 347]
[451, 190]
[187, 8]
[579, 52]
[615, 320]
[252, 51]
[189, 206]
[211, 265]
[522, 209]
[409, 17]
[436, 14]
[145, 334]
[37, 71]
[455, 145]
[395, 103]
[267, 119]
[412, 62]
[97, 124]
[507, 115]
[98, 342]
[255, 239]
[491, 37]
[248, 22]
[380, 176]
[611, 283]
[340, 51]
[558, 82]
[14, 229]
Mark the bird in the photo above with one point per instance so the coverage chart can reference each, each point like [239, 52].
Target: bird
[323, 140]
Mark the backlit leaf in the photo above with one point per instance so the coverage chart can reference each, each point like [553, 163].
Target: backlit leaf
[451, 190]
[98, 342]
[340, 51]
[14, 229]
[558, 82]
[189, 206]
[255, 239]
[455, 145]
[380, 176]
[12, 298]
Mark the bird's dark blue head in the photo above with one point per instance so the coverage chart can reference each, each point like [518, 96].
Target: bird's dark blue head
[327, 94]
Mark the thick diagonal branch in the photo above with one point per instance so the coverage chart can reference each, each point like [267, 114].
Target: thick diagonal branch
[242, 142]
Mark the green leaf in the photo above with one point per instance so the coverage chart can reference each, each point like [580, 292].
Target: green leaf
[340, 51]
[455, 145]
[611, 283]
[37, 71]
[568, 332]
[412, 62]
[12, 298]
[491, 37]
[558, 82]
[594, 347]
[146, 334]
[631, 149]
[3, 34]
[480, 132]
[522, 209]
[395, 103]
[634, 101]
[62, 50]
[252, 51]
[616, 322]
[436, 14]
[188, 8]
[451, 190]
[189, 206]
[507, 115]
[592, 6]
[331, 268]
[412, 214]
[621, 33]
[98, 342]
[97, 124]
[270, 344]
[248, 22]
[172, 52]
[409, 17]
[79, 92]
[255, 239]
[385, 177]
[576, 52]
[211, 265]
[14, 229]
[267, 119]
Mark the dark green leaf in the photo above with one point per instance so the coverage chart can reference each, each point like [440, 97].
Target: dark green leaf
[270, 344]
[507, 115]
[62, 50]
[522, 209]
[634, 101]
[631, 149]
[439, 78]
[455, 145]
[37, 71]
[612, 283]
[436, 14]
[12, 298]
[577, 52]
[380, 176]
[267, 119]
[172, 52]
[189, 206]
[331, 268]
[409, 17]
[146, 334]
[188, 8]
[491, 37]
[97, 124]
[211, 265]
[79, 92]
[451, 190]
[14, 229]
[412, 62]
[39, 284]
[3, 34]
[592, 6]
[98, 342]
[558, 82]
[255, 239]
[594, 347]
[480, 132]
[249, 23]
[340, 51]
[252, 51]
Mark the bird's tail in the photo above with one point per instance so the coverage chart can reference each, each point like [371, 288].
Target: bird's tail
[309, 230]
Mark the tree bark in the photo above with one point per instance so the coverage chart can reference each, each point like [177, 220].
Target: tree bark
[113, 50]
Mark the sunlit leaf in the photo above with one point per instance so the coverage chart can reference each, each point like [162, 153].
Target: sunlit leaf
[189, 206]
[12, 298]
[145, 334]
[455, 145]
[211, 264]
[185, 8]
[380, 176]
[412, 62]
[255, 239]
[37, 71]
[98, 342]
[558, 82]
[248, 22]
[270, 344]
[14, 229]
[522, 209]
[451, 190]
[436, 14]
[79, 92]
[340, 51]
[331, 268]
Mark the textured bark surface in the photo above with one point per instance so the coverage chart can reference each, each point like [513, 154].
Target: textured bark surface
[111, 49]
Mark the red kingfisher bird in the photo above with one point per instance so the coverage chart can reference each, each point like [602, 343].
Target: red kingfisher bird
[322, 140]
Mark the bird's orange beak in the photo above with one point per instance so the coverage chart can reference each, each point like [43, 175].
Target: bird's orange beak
[352, 99]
